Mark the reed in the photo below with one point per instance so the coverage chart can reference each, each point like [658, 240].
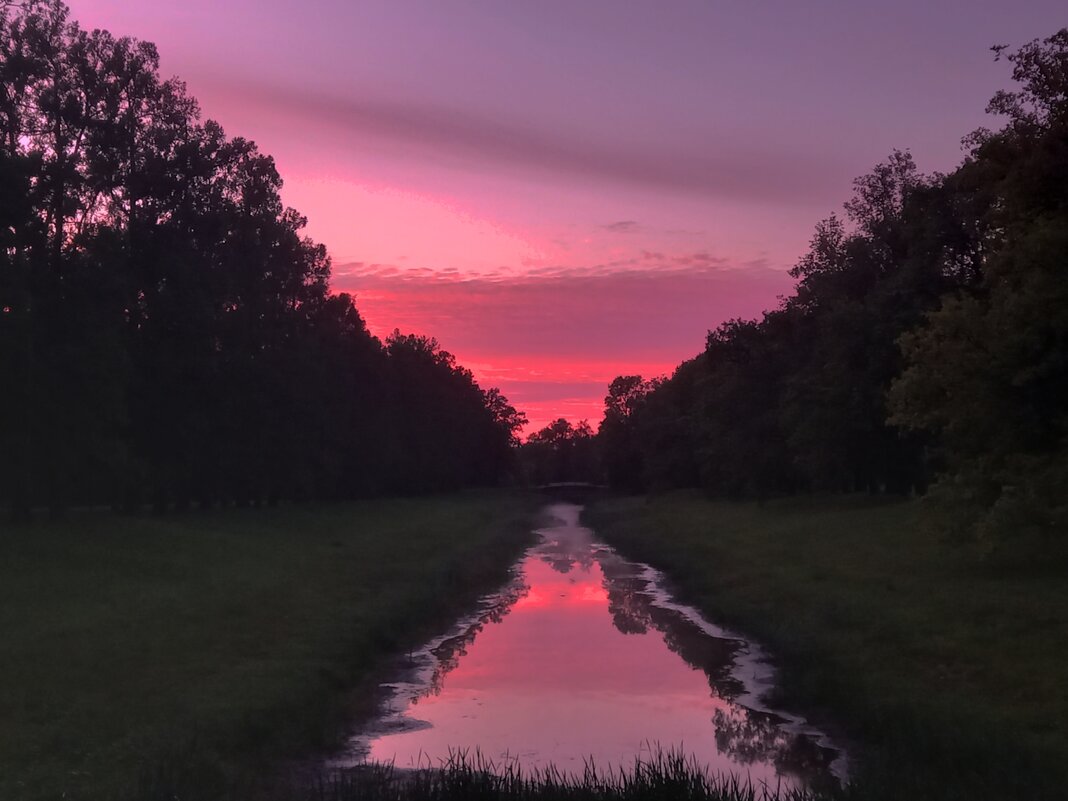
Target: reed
[666, 775]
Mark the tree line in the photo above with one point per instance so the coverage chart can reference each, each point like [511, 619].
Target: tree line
[924, 348]
[167, 332]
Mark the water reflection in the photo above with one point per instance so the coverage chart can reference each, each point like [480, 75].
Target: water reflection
[753, 737]
[583, 655]
[634, 612]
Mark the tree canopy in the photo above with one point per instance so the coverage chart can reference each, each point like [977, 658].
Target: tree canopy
[926, 340]
[167, 331]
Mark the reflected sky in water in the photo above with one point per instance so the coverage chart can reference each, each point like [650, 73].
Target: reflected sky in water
[584, 656]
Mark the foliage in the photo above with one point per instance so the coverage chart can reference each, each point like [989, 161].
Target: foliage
[621, 442]
[167, 333]
[796, 401]
[988, 372]
[926, 340]
[560, 452]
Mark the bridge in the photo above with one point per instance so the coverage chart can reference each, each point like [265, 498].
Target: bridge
[573, 491]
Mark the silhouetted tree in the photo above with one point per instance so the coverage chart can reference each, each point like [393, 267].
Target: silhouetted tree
[167, 333]
[561, 452]
[623, 443]
[945, 288]
[988, 372]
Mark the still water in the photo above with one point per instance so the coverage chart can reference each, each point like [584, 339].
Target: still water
[584, 655]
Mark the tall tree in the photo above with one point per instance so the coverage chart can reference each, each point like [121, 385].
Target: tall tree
[166, 329]
[988, 373]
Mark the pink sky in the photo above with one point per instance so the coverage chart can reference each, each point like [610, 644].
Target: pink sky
[564, 192]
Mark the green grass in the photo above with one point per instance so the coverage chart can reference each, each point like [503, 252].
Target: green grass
[951, 681]
[201, 648]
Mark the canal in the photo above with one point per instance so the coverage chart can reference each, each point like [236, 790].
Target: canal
[585, 657]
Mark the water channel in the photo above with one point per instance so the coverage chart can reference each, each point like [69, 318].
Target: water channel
[585, 656]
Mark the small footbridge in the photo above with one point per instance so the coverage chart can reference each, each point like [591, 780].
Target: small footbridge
[572, 491]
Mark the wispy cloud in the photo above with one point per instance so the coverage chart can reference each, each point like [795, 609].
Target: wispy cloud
[469, 137]
[622, 227]
[653, 265]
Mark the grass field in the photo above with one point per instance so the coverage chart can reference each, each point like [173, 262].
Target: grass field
[196, 650]
[951, 680]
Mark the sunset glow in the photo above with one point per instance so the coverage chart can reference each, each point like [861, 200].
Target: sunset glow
[564, 194]
[533, 399]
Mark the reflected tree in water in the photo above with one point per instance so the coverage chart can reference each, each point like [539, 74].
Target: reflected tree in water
[751, 737]
[449, 653]
[634, 612]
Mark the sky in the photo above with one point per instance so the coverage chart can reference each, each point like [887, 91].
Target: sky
[565, 191]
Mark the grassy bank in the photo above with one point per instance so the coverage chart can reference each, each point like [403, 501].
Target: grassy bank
[206, 646]
[663, 776]
[952, 681]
